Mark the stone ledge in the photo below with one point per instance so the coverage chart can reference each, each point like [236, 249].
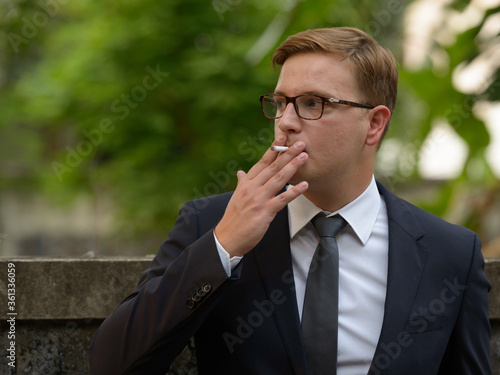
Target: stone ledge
[80, 288]
[61, 347]
[492, 271]
[48, 288]
[61, 302]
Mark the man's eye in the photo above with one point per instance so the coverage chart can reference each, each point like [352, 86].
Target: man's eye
[312, 102]
[280, 103]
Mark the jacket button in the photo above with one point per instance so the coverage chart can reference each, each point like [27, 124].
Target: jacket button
[196, 297]
[207, 287]
[190, 303]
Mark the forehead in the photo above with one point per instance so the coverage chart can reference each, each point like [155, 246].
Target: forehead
[320, 73]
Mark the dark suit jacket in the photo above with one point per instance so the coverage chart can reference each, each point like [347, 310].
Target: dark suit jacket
[436, 310]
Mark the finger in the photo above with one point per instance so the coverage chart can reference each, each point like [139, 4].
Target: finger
[273, 161]
[285, 158]
[268, 157]
[240, 175]
[281, 200]
[283, 176]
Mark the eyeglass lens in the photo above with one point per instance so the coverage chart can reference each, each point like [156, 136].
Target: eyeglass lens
[307, 106]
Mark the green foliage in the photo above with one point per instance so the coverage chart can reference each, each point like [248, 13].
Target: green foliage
[432, 89]
[156, 103]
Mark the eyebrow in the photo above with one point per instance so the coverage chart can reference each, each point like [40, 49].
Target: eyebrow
[307, 93]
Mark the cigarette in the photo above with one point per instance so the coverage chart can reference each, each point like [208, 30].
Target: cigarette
[279, 148]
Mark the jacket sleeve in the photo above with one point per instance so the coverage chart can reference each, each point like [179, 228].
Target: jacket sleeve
[468, 351]
[154, 323]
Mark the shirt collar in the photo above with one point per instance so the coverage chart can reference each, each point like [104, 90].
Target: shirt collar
[361, 214]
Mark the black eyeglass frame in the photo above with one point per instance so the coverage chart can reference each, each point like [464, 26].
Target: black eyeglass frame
[291, 99]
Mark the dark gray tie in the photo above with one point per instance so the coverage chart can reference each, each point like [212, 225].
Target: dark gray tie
[321, 301]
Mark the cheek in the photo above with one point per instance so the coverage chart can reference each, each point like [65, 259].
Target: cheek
[350, 135]
[276, 129]
[339, 145]
[330, 140]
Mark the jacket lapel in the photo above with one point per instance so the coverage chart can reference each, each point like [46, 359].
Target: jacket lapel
[407, 258]
[274, 262]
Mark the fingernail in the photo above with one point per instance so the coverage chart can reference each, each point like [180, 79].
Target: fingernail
[298, 144]
[302, 156]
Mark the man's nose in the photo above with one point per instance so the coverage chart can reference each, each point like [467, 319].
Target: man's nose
[290, 122]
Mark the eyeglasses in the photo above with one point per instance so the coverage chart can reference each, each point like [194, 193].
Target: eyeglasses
[308, 107]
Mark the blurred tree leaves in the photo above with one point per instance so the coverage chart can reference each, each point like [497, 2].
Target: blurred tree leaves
[177, 90]
[432, 88]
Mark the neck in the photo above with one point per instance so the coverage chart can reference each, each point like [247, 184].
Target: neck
[333, 197]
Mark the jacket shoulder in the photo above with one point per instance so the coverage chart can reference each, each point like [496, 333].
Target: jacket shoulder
[204, 212]
[420, 223]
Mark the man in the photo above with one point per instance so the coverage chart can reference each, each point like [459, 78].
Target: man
[410, 296]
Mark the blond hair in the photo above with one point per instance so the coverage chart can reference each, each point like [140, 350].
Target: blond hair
[374, 67]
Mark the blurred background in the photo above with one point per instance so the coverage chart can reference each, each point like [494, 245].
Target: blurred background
[114, 113]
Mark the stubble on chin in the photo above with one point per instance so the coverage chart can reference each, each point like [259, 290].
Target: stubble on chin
[297, 178]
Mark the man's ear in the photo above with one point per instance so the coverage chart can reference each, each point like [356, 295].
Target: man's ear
[378, 117]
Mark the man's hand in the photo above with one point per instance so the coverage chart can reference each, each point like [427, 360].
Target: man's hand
[254, 203]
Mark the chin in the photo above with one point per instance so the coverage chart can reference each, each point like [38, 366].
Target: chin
[297, 178]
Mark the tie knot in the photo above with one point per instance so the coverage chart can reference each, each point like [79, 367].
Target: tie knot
[328, 226]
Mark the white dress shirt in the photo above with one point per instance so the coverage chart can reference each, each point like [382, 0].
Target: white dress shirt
[363, 260]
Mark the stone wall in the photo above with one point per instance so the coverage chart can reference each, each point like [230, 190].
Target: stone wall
[59, 303]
